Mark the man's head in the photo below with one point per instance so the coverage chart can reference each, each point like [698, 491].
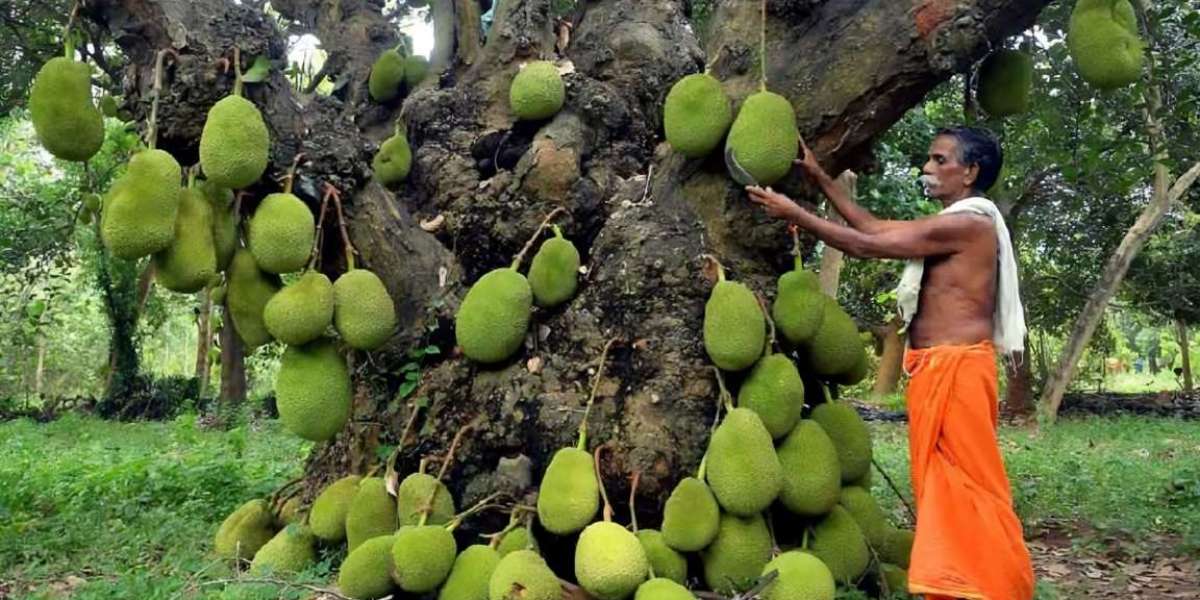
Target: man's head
[963, 162]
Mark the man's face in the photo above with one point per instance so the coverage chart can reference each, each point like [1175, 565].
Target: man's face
[946, 177]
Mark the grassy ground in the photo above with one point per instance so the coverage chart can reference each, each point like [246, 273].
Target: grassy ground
[93, 509]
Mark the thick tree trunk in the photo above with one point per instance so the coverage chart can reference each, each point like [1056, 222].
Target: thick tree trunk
[1018, 397]
[1181, 332]
[891, 360]
[233, 366]
[832, 258]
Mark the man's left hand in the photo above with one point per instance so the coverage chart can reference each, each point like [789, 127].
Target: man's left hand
[777, 205]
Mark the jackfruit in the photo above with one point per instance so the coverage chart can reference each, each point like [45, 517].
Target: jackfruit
[857, 373]
[799, 305]
[290, 551]
[664, 560]
[491, 321]
[312, 390]
[468, 579]
[802, 576]
[328, 515]
[393, 161]
[413, 494]
[523, 575]
[839, 543]
[218, 295]
[863, 482]
[363, 311]
[691, 516]
[191, 259]
[520, 538]
[661, 588]
[366, 572]
[290, 512]
[836, 347]
[866, 512]
[244, 531]
[301, 312]
[91, 203]
[553, 273]
[569, 494]
[897, 546]
[696, 115]
[386, 76]
[812, 476]
[537, 91]
[108, 106]
[1103, 40]
[415, 70]
[422, 557]
[372, 513]
[248, 291]
[738, 554]
[225, 222]
[764, 138]
[1005, 82]
[734, 326]
[895, 578]
[60, 105]
[234, 143]
[609, 561]
[281, 233]
[774, 391]
[850, 436]
[743, 469]
[140, 210]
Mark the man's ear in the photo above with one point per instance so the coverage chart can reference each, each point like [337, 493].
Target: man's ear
[972, 174]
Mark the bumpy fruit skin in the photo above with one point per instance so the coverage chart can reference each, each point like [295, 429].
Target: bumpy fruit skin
[812, 476]
[386, 76]
[696, 115]
[225, 221]
[897, 547]
[839, 543]
[850, 436]
[366, 572]
[836, 348]
[743, 469]
[661, 588]
[372, 513]
[799, 305]
[895, 577]
[733, 562]
[415, 70]
[234, 144]
[301, 312]
[569, 496]
[523, 575]
[291, 550]
[60, 106]
[139, 213]
[1102, 38]
[801, 576]
[734, 327]
[537, 92]
[610, 562]
[190, 261]
[248, 291]
[764, 137]
[422, 557]
[517, 539]
[414, 493]
[312, 390]
[468, 579]
[691, 516]
[775, 391]
[244, 531]
[866, 512]
[1005, 82]
[393, 161]
[363, 311]
[553, 272]
[666, 561]
[281, 233]
[493, 317]
[328, 515]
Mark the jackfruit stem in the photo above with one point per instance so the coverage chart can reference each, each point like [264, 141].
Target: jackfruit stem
[348, 248]
[771, 534]
[291, 173]
[152, 125]
[237, 71]
[475, 508]
[68, 41]
[725, 398]
[408, 425]
[582, 445]
[557, 231]
[794, 231]
[804, 540]
[720, 268]
[608, 510]
[425, 510]
[192, 175]
[513, 522]
[516, 263]
[762, 50]
[772, 342]
[633, 486]
[316, 249]
[703, 466]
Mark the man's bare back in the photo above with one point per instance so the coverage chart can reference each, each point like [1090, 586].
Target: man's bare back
[958, 292]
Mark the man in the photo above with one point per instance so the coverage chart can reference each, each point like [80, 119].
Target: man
[959, 296]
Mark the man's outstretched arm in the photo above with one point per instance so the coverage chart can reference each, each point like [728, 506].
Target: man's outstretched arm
[857, 216]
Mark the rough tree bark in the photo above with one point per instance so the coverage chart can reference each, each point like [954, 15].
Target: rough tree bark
[640, 214]
[891, 359]
[233, 367]
[203, 340]
[832, 259]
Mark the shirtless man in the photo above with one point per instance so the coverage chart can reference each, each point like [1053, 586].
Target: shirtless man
[968, 541]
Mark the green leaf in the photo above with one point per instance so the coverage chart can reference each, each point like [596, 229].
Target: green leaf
[406, 388]
[258, 71]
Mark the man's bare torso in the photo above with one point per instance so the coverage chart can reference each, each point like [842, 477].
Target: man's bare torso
[958, 293]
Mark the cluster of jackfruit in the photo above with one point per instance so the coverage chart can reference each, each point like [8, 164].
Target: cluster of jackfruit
[491, 322]
[1104, 43]
[273, 539]
[537, 91]
[395, 74]
[1005, 81]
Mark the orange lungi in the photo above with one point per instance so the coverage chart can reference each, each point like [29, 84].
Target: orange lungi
[968, 540]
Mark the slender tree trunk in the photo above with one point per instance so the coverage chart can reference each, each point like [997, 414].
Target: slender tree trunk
[832, 259]
[1181, 331]
[41, 366]
[204, 339]
[233, 367]
[891, 360]
[1018, 399]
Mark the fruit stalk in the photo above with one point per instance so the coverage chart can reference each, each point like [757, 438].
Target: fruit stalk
[529, 244]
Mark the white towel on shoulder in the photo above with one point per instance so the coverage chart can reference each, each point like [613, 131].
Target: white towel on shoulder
[1009, 319]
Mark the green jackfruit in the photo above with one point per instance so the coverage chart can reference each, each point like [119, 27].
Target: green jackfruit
[839, 543]
[415, 70]
[244, 531]
[569, 495]
[248, 291]
[140, 209]
[234, 143]
[609, 561]
[799, 305]
[291, 550]
[290, 512]
[1103, 40]
[661, 588]
[60, 105]
[537, 92]
[835, 348]
[91, 203]
[802, 576]
[301, 312]
[363, 311]
[523, 575]
[738, 554]
[366, 572]
[866, 512]
[734, 326]
[857, 373]
[812, 476]
[413, 494]
[897, 547]
[225, 222]
[1005, 82]
[191, 259]
[743, 469]
[328, 515]
[554, 271]
[386, 76]
[517, 539]
[863, 482]
[691, 516]
[895, 578]
[468, 579]
[850, 436]
[312, 390]
[696, 115]
[764, 137]
[422, 557]
[664, 560]
[774, 391]
[372, 513]
[109, 107]
[281, 233]
[492, 319]
[393, 161]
